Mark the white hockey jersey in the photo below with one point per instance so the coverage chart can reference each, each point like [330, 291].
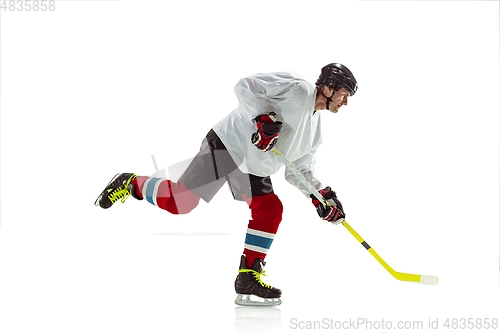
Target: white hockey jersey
[293, 100]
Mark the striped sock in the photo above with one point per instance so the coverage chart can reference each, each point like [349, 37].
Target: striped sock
[165, 194]
[266, 218]
[257, 244]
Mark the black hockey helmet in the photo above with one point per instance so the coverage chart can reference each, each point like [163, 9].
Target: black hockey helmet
[336, 76]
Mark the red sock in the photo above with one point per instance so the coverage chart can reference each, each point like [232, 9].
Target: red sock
[139, 183]
[266, 217]
[172, 197]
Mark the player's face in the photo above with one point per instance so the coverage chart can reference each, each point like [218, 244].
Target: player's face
[339, 99]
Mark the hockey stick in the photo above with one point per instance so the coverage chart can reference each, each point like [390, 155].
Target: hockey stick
[424, 279]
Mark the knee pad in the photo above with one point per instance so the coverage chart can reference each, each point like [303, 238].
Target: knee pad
[266, 208]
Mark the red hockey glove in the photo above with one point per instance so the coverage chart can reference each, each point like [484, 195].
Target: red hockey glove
[268, 131]
[333, 213]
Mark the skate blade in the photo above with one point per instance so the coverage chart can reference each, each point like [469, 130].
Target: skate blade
[245, 300]
[96, 203]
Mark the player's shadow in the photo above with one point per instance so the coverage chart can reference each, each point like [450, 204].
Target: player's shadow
[256, 319]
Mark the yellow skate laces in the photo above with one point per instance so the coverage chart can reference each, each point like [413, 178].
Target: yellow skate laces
[257, 276]
[120, 192]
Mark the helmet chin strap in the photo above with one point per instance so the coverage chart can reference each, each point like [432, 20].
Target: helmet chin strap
[328, 99]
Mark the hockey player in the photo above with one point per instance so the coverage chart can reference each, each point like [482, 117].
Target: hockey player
[275, 109]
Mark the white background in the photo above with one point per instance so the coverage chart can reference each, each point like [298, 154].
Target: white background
[97, 87]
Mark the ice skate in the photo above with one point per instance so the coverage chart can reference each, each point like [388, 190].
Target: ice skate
[120, 187]
[250, 289]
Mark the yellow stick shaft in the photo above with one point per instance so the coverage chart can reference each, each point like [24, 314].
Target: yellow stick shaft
[426, 279]
[397, 275]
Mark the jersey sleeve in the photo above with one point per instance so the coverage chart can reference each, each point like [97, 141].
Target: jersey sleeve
[254, 92]
[306, 166]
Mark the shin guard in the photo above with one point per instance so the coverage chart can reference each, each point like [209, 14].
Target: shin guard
[165, 194]
[267, 211]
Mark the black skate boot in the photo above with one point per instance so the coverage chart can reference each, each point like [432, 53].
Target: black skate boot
[248, 283]
[120, 187]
